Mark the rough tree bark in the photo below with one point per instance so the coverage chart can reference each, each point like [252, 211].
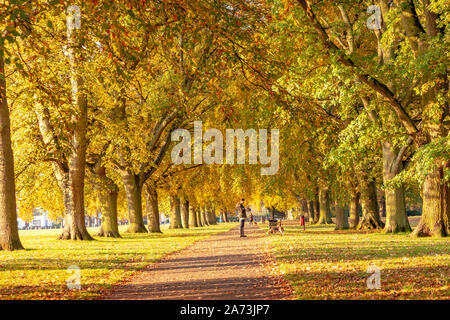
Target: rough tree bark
[324, 212]
[312, 214]
[9, 234]
[151, 198]
[225, 215]
[211, 216]
[193, 223]
[133, 190]
[73, 195]
[316, 207]
[107, 193]
[175, 214]
[396, 218]
[204, 216]
[435, 220]
[72, 179]
[198, 213]
[304, 208]
[185, 213]
[354, 209]
[341, 218]
[381, 202]
[371, 215]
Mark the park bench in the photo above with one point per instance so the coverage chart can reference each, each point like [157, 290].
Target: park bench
[275, 226]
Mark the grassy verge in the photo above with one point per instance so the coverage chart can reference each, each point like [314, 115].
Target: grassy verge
[40, 272]
[325, 264]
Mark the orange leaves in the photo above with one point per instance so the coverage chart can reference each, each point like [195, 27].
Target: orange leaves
[323, 264]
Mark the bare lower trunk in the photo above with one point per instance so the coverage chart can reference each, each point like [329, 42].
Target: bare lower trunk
[175, 214]
[211, 216]
[325, 212]
[204, 216]
[371, 215]
[107, 193]
[133, 190]
[396, 218]
[354, 210]
[312, 214]
[74, 219]
[73, 185]
[185, 213]
[109, 226]
[151, 198]
[316, 209]
[9, 234]
[193, 223]
[382, 203]
[341, 218]
[304, 209]
[198, 213]
[225, 215]
[435, 220]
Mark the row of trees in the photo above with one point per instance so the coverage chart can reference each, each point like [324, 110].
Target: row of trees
[93, 106]
[367, 109]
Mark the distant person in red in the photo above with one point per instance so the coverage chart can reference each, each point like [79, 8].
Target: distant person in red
[302, 222]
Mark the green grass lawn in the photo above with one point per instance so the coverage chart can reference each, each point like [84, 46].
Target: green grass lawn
[40, 271]
[325, 264]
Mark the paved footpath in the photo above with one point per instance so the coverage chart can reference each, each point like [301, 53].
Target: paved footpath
[223, 266]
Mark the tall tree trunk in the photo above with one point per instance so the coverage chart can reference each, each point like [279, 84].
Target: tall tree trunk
[75, 227]
[371, 214]
[316, 207]
[312, 214]
[133, 190]
[193, 223]
[151, 198]
[225, 215]
[109, 226]
[304, 209]
[211, 216]
[325, 212]
[185, 213]
[204, 216]
[354, 210]
[175, 214]
[74, 219]
[198, 213]
[381, 202]
[9, 234]
[396, 218]
[341, 218]
[107, 193]
[435, 220]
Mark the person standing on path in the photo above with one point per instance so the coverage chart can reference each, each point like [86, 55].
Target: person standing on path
[242, 216]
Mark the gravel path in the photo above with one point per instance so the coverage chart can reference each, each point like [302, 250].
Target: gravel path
[223, 266]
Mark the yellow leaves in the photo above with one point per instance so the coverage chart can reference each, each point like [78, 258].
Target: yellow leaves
[322, 264]
[44, 274]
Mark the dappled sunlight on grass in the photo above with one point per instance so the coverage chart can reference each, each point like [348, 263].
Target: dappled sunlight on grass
[325, 264]
[40, 272]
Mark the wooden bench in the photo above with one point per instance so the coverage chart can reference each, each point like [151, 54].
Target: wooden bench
[275, 226]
